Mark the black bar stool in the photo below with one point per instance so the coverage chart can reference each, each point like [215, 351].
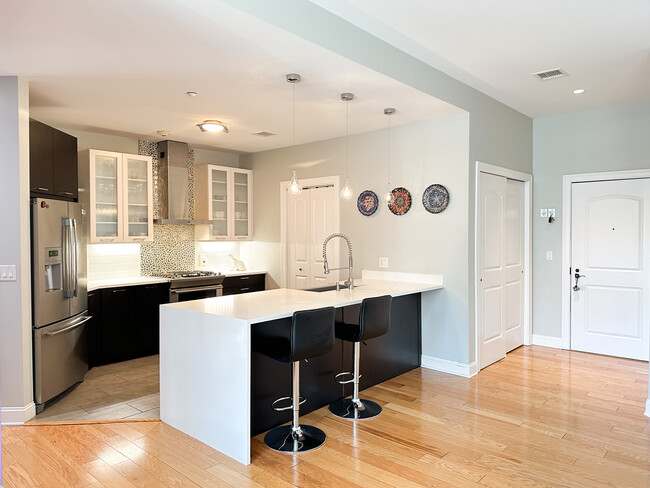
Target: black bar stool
[311, 335]
[374, 321]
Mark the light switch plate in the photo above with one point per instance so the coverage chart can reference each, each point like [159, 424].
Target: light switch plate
[8, 272]
[383, 262]
[543, 212]
[551, 212]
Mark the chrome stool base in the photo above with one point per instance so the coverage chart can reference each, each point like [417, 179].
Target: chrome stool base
[345, 408]
[281, 439]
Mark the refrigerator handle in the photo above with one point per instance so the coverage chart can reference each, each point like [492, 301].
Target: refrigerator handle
[67, 258]
[75, 241]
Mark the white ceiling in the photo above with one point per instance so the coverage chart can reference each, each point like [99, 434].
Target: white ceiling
[124, 67]
[496, 45]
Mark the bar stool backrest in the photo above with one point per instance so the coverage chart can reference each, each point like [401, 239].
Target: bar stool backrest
[312, 333]
[374, 317]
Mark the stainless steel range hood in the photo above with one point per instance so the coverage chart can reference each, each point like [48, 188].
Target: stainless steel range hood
[173, 184]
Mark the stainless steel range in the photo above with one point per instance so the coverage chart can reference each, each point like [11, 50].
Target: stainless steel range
[193, 285]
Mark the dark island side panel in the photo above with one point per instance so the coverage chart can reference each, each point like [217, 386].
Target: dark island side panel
[382, 358]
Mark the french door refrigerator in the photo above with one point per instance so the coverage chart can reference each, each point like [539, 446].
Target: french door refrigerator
[60, 300]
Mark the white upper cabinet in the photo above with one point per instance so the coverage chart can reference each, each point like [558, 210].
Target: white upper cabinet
[225, 197]
[118, 193]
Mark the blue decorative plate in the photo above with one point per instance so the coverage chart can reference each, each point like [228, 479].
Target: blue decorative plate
[367, 203]
[435, 198]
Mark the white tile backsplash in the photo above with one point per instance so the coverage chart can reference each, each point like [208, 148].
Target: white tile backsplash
[216, 255]
[108, 261]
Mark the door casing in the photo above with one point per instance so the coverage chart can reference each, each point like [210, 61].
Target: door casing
[528, 208]
[305, 182]
[568, 180]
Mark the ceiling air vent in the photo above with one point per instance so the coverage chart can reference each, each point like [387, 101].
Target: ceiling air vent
[550, 74]
[264, 134]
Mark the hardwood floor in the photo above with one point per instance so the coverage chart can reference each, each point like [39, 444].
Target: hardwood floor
[129, 389]
[539, 418]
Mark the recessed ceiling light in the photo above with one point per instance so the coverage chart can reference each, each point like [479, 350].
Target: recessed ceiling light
[578, 91]
[212, 126]
[191, 94]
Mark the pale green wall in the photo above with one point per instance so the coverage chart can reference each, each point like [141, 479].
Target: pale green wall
[433, 151]
[498, 134]
[608, 139]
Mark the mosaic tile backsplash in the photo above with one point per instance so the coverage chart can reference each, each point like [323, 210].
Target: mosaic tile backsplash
[172, 247]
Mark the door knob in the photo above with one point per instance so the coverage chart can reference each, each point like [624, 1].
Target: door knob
[577, 276]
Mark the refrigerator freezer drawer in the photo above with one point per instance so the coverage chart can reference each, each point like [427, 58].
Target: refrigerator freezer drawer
[60, 357]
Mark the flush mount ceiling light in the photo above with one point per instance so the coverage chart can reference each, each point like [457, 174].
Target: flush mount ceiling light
[163, 133]
[389, 194]
[294, 187]
[346, 191]
[579, 91]
[212, 126]
[191, 93]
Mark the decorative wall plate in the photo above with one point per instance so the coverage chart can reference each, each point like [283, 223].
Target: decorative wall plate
[367, 203]
[401, 201]
[435, 198]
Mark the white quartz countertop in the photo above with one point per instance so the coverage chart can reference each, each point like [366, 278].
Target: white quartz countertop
[131, 281]
[267, 305]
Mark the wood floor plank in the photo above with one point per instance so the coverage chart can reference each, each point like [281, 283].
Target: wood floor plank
[540, 418]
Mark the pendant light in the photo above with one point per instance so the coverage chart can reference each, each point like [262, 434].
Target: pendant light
[346, 191]
[294, 187]
[389, 194]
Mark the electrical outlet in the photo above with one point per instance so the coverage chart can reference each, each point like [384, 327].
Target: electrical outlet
[549, 255]
[551, 212]
[543, 212]
[8, 272]
[203, 260]
[383, 262]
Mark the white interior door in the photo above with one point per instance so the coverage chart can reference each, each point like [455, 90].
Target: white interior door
[299, 241]
[323, 223]
[610, 239]
[501, 225]
[514, 264]
[311, 217]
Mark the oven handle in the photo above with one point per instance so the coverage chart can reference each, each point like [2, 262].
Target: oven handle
[202, 288]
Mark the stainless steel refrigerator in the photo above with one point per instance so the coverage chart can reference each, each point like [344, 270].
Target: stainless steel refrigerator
[60, 300]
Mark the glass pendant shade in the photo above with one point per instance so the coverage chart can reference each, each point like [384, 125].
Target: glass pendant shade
[294, 186]
[388, 196]
[346, 191]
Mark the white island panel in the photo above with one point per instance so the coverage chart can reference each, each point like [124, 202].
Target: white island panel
[205, 379]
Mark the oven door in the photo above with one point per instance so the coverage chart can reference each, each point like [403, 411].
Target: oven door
[195, 293]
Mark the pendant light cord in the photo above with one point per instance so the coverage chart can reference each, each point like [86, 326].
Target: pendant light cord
[347, 139]
[293, 116]
[389, 154]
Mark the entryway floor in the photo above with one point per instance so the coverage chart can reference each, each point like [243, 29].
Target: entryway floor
[126, 390]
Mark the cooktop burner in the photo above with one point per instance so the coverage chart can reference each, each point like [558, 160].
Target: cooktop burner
[175, 275]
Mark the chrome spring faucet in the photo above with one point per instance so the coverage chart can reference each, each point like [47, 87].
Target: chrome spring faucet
[350, 281]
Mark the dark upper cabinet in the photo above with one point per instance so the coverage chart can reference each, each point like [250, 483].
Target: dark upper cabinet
[52, 162]
[64, 149]
[41, 167]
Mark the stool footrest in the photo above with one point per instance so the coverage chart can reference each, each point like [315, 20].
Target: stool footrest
[341, 381]
[287, 407]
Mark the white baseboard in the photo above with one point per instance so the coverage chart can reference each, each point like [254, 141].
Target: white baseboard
[647, 407]
[547, 341]
[17, 415]
[447, 366]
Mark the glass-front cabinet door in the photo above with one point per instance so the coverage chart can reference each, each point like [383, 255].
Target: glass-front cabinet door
[138, 198]
[105, 198]
[241, 191]
[219, 198]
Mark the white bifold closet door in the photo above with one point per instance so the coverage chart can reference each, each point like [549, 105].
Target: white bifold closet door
[500, 267]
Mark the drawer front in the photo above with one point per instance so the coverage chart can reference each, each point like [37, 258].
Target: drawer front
[252, 281]
[235, 290]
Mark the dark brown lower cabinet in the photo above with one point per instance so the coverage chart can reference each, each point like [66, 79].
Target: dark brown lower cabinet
[234, 285]
[125, 322]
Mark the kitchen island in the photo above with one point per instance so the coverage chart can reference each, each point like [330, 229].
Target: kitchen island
[211, 381]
